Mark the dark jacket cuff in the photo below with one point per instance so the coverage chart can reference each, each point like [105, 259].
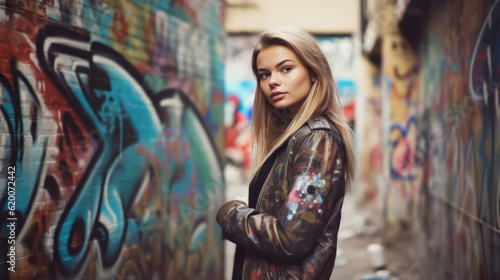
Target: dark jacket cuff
[224, 209]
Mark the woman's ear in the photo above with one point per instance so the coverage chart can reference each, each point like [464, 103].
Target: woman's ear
[312, 75]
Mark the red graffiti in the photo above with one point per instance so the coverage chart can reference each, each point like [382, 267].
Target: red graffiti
[120, 27]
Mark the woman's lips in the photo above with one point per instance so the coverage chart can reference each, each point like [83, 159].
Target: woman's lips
[277, 95]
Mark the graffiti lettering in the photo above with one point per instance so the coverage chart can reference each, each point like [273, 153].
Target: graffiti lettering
[114, 182]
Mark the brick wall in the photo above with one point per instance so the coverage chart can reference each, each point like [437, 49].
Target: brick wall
[111, 132]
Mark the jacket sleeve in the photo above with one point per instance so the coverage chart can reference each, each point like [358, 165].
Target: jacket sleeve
[315, 198]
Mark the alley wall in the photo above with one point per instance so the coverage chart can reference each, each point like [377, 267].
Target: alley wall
[111, 132]
[439, 148]
[457, 140]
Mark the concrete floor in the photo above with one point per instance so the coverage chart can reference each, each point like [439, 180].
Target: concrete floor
[356, 233]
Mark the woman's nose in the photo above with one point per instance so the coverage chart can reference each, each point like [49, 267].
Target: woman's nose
[274, 81]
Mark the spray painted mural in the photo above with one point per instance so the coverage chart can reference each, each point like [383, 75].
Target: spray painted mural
[111, 132]
[441, 131]
[239, 87]
[369, 133]
[340, 53]
[399, 70]
[458, 152]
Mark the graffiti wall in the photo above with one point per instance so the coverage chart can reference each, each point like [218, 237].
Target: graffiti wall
[399, 107]
[369, 135]
[341, 52]
[457, 155]
[440, 129]
[111, 131]
[239, 91]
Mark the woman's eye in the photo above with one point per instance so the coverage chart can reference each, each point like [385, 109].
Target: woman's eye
[287, 69]
[264, 75]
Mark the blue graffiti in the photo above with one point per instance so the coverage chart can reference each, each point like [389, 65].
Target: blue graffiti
[122, 118]
[118, 112]
[25, 148]
[484, 83]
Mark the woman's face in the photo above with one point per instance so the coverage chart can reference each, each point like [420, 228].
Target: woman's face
[283, 78]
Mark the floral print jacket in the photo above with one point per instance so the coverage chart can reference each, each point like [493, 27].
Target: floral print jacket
[292, 232]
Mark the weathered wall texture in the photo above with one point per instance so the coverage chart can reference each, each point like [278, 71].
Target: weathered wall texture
[111, 127]
[369, 136]
[399, 114]
[457, 148]
[440, 133]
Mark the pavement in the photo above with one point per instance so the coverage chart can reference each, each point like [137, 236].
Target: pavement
[358, 229]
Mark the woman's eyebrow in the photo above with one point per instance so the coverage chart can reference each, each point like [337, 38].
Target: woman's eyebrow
[277, 65]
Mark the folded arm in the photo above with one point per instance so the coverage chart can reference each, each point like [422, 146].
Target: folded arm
[314, 195]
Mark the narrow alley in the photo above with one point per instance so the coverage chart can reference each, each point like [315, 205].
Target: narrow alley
[126, 125]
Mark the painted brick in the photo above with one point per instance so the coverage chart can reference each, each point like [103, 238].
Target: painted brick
[96, 161]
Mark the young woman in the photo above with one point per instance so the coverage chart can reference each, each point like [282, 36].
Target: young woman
[304, 162]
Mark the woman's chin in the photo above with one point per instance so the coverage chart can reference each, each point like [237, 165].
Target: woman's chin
[279, 105]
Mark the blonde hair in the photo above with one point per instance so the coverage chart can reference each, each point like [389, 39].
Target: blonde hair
[270, 126]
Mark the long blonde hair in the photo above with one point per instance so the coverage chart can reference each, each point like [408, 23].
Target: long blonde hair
[270, 126]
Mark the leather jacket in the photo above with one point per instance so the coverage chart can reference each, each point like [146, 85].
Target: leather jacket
[292, 231]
